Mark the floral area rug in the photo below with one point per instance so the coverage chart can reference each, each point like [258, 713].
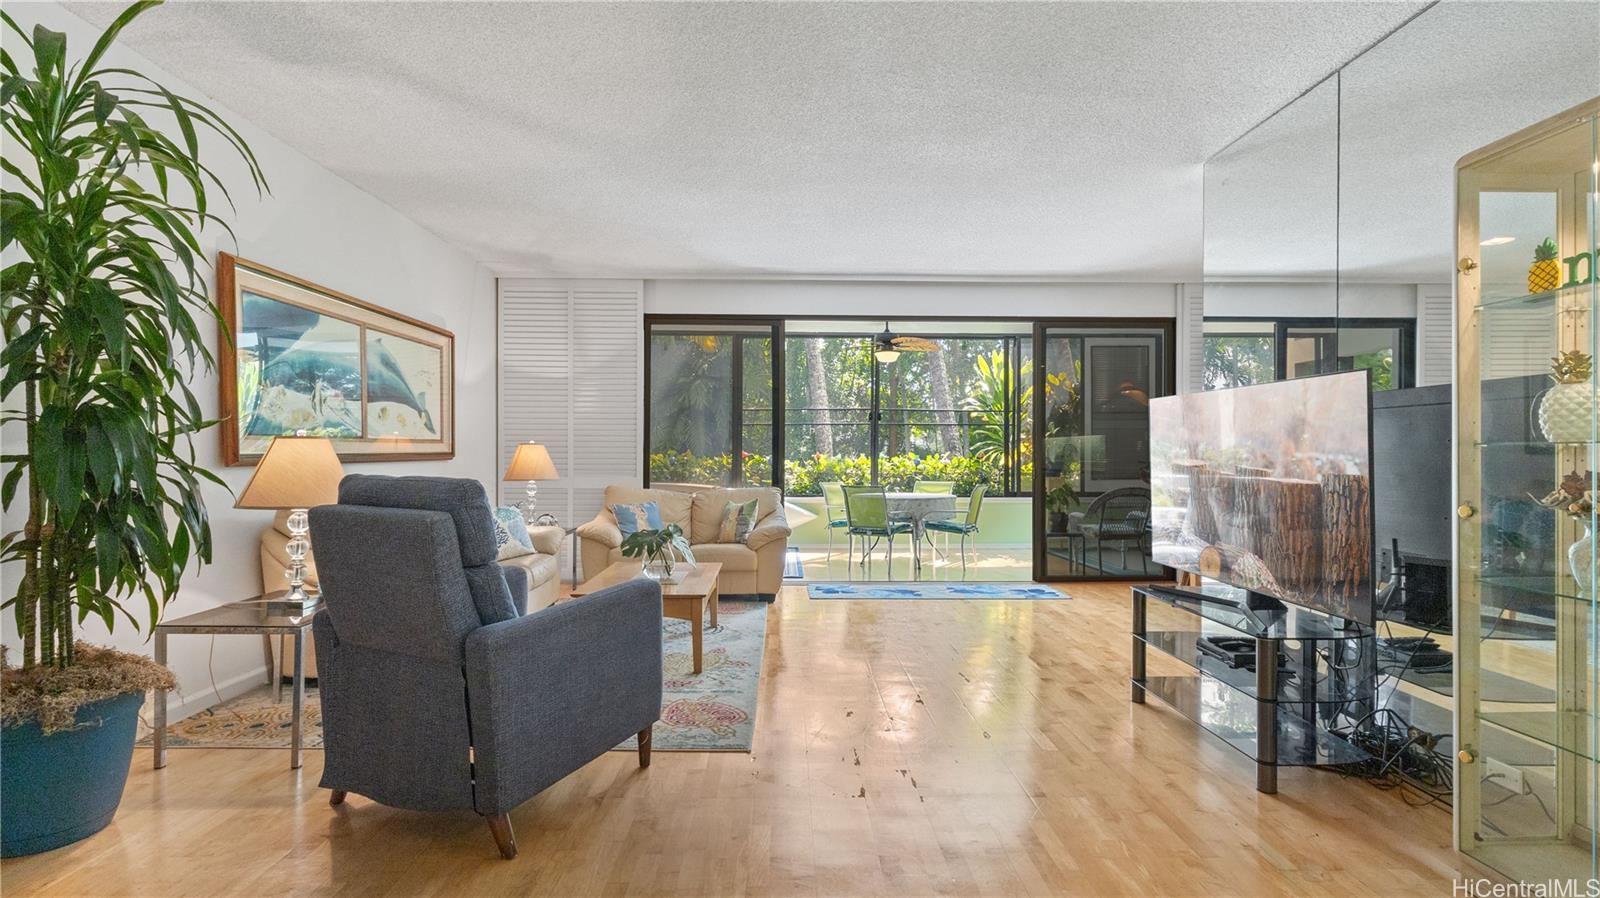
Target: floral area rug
[253, 720]
[714, 710]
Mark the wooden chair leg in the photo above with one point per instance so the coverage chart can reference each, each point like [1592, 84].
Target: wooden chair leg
[504, 838]
[644, 745]
[337, 798]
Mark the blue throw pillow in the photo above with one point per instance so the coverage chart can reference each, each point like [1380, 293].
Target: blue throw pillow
[511, 539]
[640, 516]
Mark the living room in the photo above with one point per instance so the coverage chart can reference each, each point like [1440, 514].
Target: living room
[706, 448]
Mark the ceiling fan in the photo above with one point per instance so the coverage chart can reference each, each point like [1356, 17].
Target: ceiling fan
[886, 347]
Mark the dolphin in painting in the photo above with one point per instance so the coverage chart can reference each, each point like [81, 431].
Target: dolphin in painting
[387, 383]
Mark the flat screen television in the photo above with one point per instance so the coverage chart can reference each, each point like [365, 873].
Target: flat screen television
[1269, 489]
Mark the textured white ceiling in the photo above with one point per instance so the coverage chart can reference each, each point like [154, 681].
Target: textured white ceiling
[794, 138]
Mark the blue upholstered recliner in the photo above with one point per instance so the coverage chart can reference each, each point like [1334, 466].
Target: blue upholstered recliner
[437, 693]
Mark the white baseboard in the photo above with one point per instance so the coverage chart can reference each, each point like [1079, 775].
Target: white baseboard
[187, 702]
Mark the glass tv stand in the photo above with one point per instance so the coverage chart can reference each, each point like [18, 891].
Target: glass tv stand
[1282, 684]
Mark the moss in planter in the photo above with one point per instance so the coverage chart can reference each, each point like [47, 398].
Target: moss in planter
[53, 696]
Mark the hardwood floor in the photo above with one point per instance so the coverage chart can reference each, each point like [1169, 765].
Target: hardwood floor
[901, 748]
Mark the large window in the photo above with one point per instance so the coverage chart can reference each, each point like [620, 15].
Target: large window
[1244, 351]
[960, 413]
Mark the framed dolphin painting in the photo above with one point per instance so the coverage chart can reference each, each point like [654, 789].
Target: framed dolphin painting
[306, 359]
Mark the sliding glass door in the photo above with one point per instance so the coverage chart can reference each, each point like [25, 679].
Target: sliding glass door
[1051, 418]
[710, 412]
[1094, 388]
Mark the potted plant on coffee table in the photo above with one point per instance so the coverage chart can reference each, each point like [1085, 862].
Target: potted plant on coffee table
[99, 314]
[661, 550]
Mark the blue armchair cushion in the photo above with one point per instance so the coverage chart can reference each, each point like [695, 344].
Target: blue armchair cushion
[468, 507]
[464, 500]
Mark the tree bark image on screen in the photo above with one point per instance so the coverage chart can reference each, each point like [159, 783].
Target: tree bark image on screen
[1268, 488]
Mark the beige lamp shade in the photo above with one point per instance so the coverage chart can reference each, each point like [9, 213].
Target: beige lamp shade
[531, 462]
[296, 472]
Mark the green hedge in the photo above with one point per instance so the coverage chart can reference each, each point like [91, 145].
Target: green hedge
[804, 477]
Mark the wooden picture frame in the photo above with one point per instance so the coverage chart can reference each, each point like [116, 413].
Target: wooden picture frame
[296, 356]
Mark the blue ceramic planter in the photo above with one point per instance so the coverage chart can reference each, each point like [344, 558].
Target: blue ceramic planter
[57, 789]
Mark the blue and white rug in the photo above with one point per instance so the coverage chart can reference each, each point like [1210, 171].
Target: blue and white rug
[933, 591]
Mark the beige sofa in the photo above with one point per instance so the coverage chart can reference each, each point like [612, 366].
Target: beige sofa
[754, 567]
[544, 581]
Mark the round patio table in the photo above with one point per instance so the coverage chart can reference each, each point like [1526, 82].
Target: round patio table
[917, 508]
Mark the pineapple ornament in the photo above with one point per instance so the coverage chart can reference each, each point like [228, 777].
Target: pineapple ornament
[1565, 409]
[1545, 272]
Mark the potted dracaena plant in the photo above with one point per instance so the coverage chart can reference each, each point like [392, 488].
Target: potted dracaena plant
[99, 304]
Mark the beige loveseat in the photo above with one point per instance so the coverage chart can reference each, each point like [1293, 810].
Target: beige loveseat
[544, 581]
[754, 567]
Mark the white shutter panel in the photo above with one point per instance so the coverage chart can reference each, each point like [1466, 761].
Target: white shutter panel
[1191, 349]
[1524, 341]
[1435, 334]
[571, 377]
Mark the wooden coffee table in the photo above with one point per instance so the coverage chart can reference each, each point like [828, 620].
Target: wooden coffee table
[685, 601]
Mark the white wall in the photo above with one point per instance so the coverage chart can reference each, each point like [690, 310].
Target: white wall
[1260, 299]
[321, 228]
[930, 299]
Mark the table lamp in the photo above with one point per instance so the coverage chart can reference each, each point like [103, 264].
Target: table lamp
[532, 463]
[296, 473]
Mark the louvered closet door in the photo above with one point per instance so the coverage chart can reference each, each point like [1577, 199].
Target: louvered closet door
[1435, 334]
[571, 377]
[1191, 335]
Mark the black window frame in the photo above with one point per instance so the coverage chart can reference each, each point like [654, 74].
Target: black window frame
[1405, 364]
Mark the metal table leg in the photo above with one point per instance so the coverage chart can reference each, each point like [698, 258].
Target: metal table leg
[1266, 715]
[299, 696]
[159, 738]
[1138, 647]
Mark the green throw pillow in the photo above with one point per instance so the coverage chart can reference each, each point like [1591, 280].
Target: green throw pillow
[738, 519]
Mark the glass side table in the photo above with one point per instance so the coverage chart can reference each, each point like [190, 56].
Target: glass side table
[263, 615]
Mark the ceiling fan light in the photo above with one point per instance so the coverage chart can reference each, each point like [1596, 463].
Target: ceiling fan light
[886, 354]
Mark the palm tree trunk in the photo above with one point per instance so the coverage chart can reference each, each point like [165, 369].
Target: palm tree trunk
[817, 387]
[939, 383]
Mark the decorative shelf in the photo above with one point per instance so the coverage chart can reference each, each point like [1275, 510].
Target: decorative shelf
[1545, 727]
[1547, 300]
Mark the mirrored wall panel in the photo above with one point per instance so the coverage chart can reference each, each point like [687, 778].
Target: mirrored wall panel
[1271, 246]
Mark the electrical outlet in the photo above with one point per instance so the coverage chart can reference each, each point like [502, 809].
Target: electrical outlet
[1504, 775]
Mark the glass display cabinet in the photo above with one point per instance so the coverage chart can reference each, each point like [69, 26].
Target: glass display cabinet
[1524, 632]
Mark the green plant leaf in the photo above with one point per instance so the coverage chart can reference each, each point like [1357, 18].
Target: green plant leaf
[49, 51]
[104, 102]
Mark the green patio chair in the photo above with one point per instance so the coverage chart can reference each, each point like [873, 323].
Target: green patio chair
[867, 509]
[833, 507]
[962, 526]
[933, 486]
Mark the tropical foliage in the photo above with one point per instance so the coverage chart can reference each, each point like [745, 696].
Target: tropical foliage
[1238, 361]
[101, 317]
